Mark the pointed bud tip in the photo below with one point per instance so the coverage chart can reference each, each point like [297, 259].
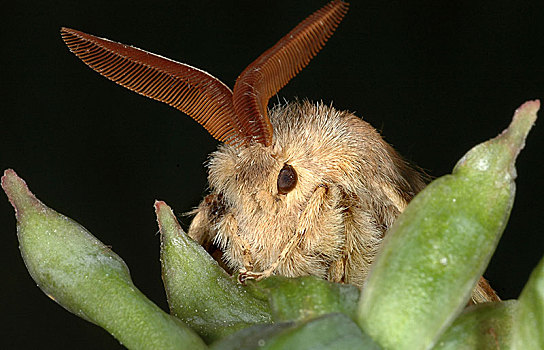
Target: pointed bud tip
[526, 111]
[162, 210]
[165, 218]
[9, 177]
[160, 205]
[16, 189]
[530, 105]
[516, 133]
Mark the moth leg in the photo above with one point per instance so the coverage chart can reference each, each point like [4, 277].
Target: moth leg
[483, 293]
[241, 247]
[307, 219]
[202, 228]
[337, 270]
[210, 214]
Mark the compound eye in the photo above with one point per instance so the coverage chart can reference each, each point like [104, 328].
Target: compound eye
[287, 179]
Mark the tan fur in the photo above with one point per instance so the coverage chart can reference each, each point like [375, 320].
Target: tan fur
[351, 187]
[334, 154]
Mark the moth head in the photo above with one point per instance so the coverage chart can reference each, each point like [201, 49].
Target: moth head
[314, 145]
[239, 117]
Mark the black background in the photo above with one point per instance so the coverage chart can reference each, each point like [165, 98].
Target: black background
[436, 79]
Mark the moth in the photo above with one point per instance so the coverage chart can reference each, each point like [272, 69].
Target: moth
[298, 189]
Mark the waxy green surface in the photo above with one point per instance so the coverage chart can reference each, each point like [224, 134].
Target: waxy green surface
[84, 276]
[199, 291]
[440, 245]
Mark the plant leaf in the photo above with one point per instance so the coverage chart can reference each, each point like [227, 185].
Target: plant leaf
[307, 297]
[529, 323]
[331, 331]
[84, 276]
[199, 291]
[440, 245]
[483, 326]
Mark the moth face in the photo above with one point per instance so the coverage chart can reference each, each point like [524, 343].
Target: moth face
[254, 180]
[238, 172]
[311, 147]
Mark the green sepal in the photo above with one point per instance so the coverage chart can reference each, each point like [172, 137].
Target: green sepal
[481, 327]
[199, 291]
[529, 322]
[440, 245]
[303, 298]
[327, 332]
[88, 279]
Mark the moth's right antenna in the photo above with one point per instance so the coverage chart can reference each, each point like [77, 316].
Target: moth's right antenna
[270, 72]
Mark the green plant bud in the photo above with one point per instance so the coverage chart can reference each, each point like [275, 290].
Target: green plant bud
[84, 276]
[529, 321]
[440, 245]
[328, 332]
[199, 291]
[253, 337]
[483, 326]
[307, 297]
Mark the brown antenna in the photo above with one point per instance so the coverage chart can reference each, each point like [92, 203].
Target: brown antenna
[270, 72]
[232, 118]
[194, 92]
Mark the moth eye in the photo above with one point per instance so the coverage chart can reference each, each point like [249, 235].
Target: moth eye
[287, 179]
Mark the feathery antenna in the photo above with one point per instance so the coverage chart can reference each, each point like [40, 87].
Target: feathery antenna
[235, 118]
